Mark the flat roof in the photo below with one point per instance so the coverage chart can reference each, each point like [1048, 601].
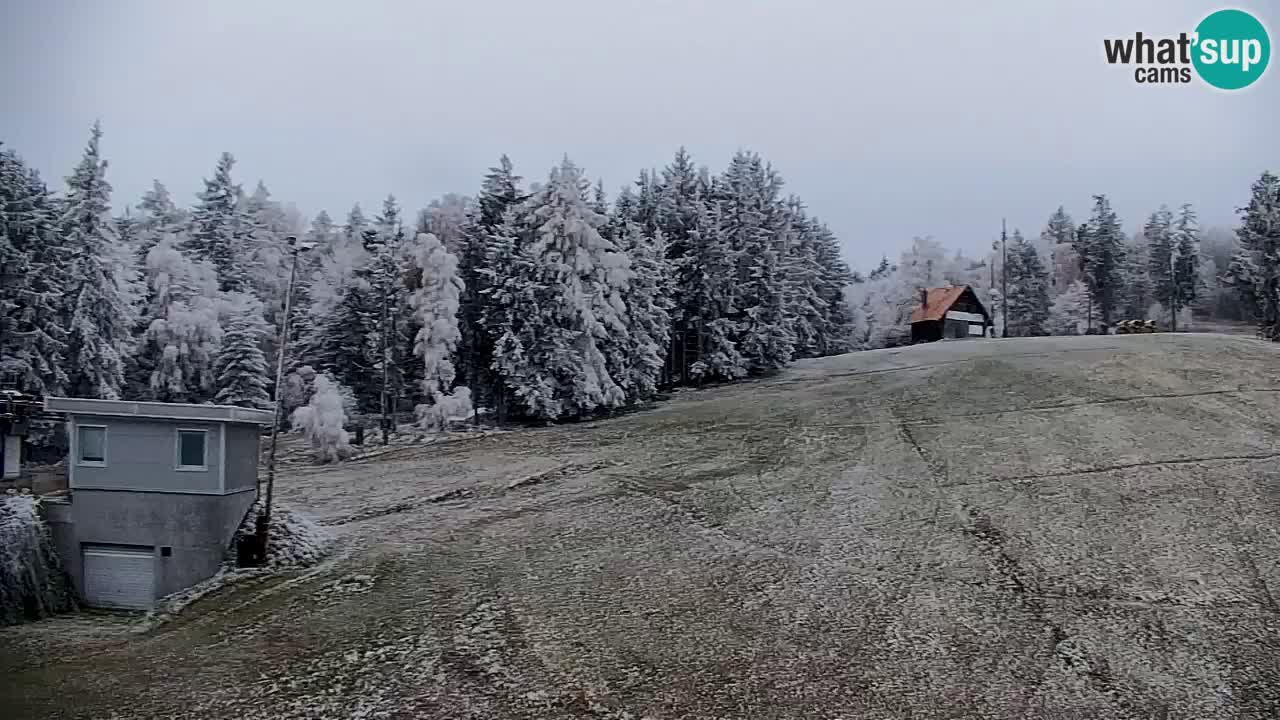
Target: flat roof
[159, 410]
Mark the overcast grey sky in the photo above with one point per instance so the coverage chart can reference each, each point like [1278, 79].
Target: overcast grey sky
[889, 119]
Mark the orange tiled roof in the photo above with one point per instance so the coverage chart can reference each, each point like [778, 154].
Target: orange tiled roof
[940, 301]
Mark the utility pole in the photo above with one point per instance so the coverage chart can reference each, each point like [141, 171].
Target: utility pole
[1004, 279]
[264, 519]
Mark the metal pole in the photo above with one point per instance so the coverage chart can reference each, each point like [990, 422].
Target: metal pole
[264, 520]
[1004, 280]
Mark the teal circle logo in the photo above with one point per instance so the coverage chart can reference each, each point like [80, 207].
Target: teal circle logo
[1231, 49]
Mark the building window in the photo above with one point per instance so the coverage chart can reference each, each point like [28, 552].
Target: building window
[91, 444]
[191, 449]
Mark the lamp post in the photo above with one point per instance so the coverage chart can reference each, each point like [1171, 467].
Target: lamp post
[264, 519]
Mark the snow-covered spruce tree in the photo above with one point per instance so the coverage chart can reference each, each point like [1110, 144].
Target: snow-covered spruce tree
[648, 303]
[1060, 236]
[447, 217]
[157, 217]
[833, 280]
[1100, 245]
[100, 317]
[561, 302]
[264, 226]
[499, 192]
[1028, 289]
[648, 202]
[217, 225]
[1135, 296]
[1070, 312]
[321, 236]
[1161, 251]
[241, 366]
[181, 328]
[384, 274]
[323, 419]
[128, 238]
[801, 276]
[751, 224]
[1255, 271]
[1186, 262]
[345, 315]
[435, 304]
[718, 355]
[334, 267]
[681, 204]
[34, 261]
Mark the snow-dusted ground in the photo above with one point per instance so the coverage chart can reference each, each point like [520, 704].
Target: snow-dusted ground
[1047, 528]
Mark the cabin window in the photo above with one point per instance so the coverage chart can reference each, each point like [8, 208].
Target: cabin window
[192, 446]
[91, 445]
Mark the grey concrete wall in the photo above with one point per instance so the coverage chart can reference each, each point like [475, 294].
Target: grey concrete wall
[243, 443]
[198, 529]
[57, 513]
[143, 455]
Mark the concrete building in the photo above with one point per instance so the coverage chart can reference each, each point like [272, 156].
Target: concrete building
[156, 493]
[953, 312]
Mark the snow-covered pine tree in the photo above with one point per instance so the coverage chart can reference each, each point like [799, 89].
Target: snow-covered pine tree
[100, 316]
[880, 301]
[242, 373]
[1136, 294]
[600, 201]
[1028, 289]
[802, 275]
[323, 419]
[647, 210]
[128, 237]
[648, 303]
[321, 236]
[507, 290]
[1064, 263]
[1186, 262]
[334, 267]
[1161, 251]
[447, 217]
[681, 203]
[1255, 271]
[157, 217]
[436, 303]
[566, 291]
[216, 225]
[710, 313]
[386, 294]
[1070, 312]
[499, 192]
[883, 269]
[345, 315]
[263, 248]
[833, 280]
[1100, 245]
[181, 328]
[751, 223]
[33, 279]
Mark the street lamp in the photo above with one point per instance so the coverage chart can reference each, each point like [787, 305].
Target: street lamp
[296, 248]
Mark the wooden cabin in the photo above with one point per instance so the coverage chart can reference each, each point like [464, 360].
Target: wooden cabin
[949, 313]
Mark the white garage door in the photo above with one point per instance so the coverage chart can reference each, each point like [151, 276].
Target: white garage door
[117, 577]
